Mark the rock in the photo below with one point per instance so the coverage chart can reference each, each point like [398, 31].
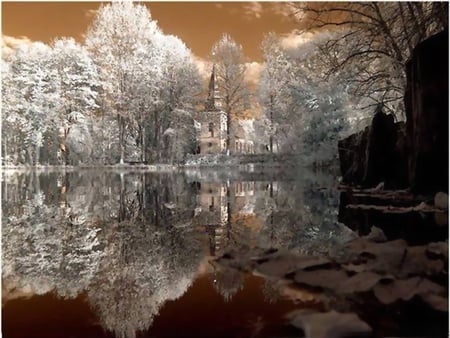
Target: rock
[352, 155]
[416, 262]
[328, 324]
[297, 294]
[441, 200]
[360, 282]
[426, 107]
[326, 279]
[414, 154]
[394, 257]
[279, 265]
[375, 156]
[376, 235]
[441, 218]
[438, 249]
[406, 289]
[379, 164]
[437, 302]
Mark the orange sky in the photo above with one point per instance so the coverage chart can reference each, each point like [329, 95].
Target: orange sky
[198, 24]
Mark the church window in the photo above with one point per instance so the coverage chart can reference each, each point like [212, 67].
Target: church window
[211, 129]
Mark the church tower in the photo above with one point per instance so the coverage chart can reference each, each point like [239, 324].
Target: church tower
[213, 101]
[212, 122]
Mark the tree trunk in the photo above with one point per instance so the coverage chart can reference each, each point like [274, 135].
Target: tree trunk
[143, 144]
[66, 149]
[5, 152]
[228, 129]
[121, 138]
[228, 212]
[155, 135]
[271, 125]
[37, 155]
[122, 206]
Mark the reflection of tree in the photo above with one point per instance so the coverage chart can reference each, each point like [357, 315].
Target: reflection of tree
[301, 214]
[270, 290]
[142, 269]
[227, 282]
[151, 251]
[128, 239]
[123, 305]
[100, 233]
[42, 248]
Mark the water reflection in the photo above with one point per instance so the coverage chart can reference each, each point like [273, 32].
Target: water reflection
[132, 242]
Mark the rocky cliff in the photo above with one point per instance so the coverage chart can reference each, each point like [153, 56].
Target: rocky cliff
[414, 154]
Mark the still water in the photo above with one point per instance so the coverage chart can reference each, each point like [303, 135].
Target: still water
[130, 254]
[124, 254]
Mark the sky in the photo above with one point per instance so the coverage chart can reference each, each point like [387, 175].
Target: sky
[198, 24]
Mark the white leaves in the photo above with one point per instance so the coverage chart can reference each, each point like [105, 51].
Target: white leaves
[308, 112]
[127, 68]
[169, 132]
[28, 100]
[75, 116]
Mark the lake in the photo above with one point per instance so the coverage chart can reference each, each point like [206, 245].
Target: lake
[108, 253]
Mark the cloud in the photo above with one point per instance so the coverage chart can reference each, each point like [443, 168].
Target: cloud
[252, 10]
[91, 13]
[247, 10]
[285, 10]
[14, 42]
[203, 66]
[11, 43]
[294, 39]
[253, 72]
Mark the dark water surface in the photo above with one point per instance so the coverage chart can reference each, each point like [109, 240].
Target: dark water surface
[122, 254]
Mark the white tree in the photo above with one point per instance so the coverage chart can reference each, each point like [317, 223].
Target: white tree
[117, 38]
[229, 60]
[146, 76]
[31, 96]
[274, 77]
[78, 85]
[179, 94]
[309, 113]
[374, 42]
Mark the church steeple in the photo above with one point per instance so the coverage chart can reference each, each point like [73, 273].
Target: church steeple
[210, 104]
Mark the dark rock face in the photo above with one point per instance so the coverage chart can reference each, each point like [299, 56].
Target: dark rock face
[380, 152]
[352, 156]
[375, 154]
[426, 103]
[414, 154]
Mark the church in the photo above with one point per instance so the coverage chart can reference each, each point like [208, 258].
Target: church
[212, 126]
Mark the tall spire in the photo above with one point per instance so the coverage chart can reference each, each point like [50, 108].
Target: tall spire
[210, 104]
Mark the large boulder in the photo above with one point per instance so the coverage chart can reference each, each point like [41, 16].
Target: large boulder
[426, 105]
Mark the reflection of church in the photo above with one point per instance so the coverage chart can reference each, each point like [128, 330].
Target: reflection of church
[212, 126]
[218, 202]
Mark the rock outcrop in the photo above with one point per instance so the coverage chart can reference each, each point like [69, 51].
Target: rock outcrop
[376, 154]
[426, 106]
[414, 154]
